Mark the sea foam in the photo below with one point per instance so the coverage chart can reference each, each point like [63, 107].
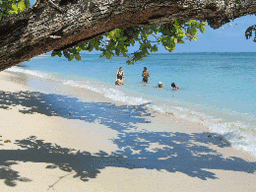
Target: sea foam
[109, 92]
[30, 72]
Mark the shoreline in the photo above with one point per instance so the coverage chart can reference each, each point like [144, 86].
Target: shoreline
[112, 147]
[239, 132]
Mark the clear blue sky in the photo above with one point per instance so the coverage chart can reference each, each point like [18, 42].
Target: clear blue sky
[229, 38]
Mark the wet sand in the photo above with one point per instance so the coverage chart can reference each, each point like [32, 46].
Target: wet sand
[54, 142]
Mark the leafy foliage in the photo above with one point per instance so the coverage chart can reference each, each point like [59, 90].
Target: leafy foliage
[118, 41]
[8, 7]
[18, 8]
[249, 32]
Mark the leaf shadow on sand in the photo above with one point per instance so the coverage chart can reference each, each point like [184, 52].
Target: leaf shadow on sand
[169, 151]
[106, 113]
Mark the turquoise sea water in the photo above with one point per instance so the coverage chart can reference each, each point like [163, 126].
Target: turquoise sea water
[216, 89]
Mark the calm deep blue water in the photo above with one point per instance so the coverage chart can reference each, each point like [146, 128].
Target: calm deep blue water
[216, 89]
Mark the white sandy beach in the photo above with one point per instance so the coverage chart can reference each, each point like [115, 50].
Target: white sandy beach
[135, 150]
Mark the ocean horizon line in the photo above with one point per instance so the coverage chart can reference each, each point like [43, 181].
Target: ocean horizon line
[156, 53]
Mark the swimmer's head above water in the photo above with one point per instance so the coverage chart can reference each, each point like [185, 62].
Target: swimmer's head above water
[160, 85]
[174, 86]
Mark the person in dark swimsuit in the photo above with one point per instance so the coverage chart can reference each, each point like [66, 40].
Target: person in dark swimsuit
[120, 76]
[145, 75]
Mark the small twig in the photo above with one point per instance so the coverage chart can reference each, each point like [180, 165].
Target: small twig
[105, 45]
[56, 6]
[155, 38]
[51, 186]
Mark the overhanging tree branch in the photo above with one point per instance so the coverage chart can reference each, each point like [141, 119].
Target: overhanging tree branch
[44, 28]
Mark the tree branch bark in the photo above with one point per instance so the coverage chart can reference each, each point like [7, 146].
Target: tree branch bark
[44, 28]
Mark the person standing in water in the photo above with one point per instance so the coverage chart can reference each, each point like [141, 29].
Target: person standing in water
[145, 75]
[120, 75]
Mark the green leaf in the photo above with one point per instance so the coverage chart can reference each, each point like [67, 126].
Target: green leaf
[71, 57]
[14, 9]
[21, 6]
[109, 54]
[78, 57]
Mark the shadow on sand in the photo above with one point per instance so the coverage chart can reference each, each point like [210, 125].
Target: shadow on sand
[108, 114]
[173, 152]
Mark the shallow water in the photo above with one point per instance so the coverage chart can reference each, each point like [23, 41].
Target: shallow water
[216, 89]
